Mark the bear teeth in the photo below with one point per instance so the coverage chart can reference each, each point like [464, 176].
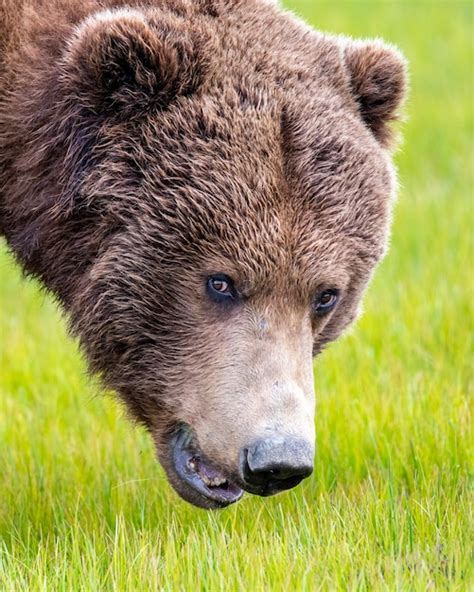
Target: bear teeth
[215, 481]
[193, 464]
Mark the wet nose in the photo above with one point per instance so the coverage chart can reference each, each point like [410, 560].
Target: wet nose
[279, 463]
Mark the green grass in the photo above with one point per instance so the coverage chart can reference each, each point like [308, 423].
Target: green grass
[85, 506]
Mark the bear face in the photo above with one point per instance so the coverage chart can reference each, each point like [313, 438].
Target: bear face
[210, 192]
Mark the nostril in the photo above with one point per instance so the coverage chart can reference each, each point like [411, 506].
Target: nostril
[284, 462]
[285, 471]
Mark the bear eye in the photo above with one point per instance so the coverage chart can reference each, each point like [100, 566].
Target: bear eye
[326, 301]
[220, 288]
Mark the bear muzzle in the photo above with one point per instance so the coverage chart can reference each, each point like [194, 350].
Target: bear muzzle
[267, 466]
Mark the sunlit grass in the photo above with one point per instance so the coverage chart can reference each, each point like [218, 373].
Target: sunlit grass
[85, 506]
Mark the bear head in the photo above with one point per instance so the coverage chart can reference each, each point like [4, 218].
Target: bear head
[214, 195]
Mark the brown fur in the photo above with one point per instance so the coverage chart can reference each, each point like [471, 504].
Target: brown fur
[145, 149]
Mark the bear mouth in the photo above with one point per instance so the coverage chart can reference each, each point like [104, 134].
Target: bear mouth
[199, 480]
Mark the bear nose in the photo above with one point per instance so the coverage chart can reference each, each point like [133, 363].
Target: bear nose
[275, 464]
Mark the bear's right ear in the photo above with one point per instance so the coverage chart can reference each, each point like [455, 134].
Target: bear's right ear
[123, 61]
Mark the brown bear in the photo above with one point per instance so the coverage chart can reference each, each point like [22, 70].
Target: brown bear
[205, 186]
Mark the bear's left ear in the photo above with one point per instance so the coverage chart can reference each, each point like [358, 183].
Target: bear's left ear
[122, 61]
[378, 80]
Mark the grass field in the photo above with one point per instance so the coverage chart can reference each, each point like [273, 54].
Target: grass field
[85, 506]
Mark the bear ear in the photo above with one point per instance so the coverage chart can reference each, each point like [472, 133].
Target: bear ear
[124, 61]
[378, 80]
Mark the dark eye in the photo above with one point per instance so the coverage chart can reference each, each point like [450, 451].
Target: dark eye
[326, 301]
[220, 288]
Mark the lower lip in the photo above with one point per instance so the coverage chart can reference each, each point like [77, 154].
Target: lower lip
[182, 457]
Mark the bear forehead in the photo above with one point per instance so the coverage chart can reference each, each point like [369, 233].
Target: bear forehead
[262, 190]
[255, 157]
